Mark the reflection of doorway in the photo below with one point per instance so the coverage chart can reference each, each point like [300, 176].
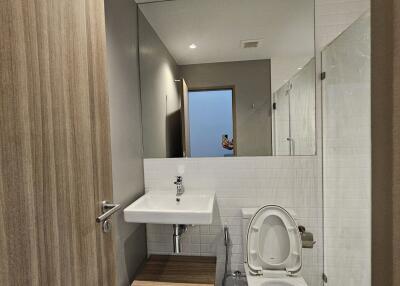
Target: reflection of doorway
[212, 117]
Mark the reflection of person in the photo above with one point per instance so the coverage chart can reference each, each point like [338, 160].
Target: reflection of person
[226, 143]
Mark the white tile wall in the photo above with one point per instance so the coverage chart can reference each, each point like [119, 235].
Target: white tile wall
[240, 182]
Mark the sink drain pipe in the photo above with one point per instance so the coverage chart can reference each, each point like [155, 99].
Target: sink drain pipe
[179, 229]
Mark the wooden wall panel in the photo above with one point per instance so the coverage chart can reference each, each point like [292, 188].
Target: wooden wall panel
[396, 143]
[385, 142]
[55, 161]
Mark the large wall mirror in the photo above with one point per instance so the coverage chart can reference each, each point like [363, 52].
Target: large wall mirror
[223, 78]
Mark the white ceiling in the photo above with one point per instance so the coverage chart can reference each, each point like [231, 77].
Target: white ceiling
[217, 27]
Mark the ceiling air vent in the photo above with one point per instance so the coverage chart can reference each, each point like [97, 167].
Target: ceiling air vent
[250, 44]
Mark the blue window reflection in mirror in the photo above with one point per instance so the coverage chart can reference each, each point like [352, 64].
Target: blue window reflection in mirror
[211, 123]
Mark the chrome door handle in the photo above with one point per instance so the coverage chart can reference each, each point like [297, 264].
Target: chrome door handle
[108, 209]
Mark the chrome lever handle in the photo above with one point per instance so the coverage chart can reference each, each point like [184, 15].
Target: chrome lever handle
[108, 209]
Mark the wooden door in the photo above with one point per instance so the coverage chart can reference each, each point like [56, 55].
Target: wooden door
[185, 118]
[55, 164]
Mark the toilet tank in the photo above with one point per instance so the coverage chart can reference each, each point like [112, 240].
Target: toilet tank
[247, 214]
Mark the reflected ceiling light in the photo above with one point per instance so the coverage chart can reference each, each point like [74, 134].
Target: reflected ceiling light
[193, 46]
[300, 68]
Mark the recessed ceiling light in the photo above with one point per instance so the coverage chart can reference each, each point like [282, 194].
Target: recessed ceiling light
[300, 68]
[193, 46]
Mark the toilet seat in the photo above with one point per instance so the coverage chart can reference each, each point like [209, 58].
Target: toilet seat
[273, 242]
[265, 281]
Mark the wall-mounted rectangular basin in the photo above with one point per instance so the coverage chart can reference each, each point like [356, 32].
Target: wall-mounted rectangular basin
[167, 208]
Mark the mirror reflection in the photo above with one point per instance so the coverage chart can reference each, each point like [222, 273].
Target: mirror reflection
[223, 78]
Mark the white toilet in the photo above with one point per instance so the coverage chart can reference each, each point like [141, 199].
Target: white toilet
[272, 247]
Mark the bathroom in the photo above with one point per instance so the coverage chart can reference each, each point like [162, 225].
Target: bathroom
[199, 142]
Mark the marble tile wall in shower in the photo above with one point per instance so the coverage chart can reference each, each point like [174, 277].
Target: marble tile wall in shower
[347, 156]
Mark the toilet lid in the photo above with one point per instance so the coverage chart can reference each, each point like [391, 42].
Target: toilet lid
[273, 241]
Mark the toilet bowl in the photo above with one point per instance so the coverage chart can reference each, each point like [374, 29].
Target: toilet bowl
[272, 247]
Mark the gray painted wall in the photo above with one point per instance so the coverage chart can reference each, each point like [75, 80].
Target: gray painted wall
[160, 97]
[252, 81]
[126, 133]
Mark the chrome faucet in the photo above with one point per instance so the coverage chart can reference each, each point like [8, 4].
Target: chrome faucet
[179, 186]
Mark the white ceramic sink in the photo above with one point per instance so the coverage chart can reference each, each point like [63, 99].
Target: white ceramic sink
[167, 208]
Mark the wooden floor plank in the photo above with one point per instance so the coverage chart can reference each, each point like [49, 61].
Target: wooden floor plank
[168, 270]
